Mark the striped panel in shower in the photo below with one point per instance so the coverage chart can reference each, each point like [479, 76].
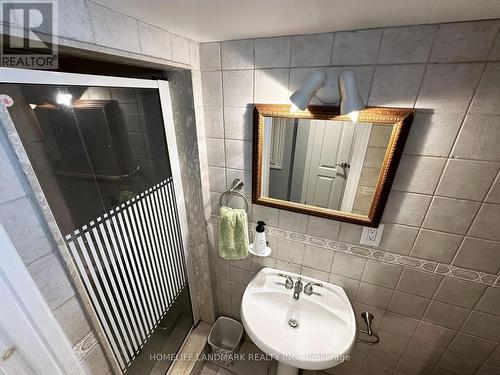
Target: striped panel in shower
[131, 263]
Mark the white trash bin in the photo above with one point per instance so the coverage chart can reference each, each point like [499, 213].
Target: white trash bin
[224, 339]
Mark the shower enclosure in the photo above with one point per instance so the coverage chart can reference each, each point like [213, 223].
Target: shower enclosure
[104, 154]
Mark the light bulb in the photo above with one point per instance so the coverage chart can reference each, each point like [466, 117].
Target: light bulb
[33, 106]
[64, 99]
[353, 116]
[294, 108]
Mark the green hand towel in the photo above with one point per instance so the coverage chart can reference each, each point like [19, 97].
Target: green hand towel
[233, 233]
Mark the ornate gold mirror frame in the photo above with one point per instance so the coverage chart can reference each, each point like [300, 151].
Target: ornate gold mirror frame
[400, 119]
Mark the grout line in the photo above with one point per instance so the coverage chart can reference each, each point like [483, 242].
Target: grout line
[374, 72]
[451, 152]
[497, 39]
[446, 163]
[332, 48]
[495, 180]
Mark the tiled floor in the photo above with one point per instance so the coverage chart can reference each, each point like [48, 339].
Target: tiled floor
[252, 363]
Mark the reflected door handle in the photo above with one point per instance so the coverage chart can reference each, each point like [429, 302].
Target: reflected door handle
[6, 354]
[344, 165]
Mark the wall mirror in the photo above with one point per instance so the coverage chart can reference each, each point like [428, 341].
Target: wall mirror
[320, 163]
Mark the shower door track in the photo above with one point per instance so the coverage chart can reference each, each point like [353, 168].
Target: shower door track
[25, 76]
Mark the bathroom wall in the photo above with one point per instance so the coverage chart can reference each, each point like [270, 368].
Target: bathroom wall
[92, 30]
[433, 282]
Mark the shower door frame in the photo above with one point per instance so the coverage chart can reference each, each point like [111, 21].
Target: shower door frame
[39, 77]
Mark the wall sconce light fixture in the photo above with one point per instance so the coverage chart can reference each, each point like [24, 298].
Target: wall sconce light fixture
[330, 91]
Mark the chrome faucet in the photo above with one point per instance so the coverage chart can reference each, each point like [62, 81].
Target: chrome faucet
[308, 289]
[289, 280]
[298, 286]
[297, 289]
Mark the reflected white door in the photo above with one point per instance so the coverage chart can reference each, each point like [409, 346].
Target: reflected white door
[329, 145]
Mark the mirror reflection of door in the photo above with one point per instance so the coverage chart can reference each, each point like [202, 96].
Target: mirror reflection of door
[329, 148]
[329, 164]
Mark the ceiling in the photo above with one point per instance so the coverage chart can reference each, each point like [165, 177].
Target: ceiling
[214, 20]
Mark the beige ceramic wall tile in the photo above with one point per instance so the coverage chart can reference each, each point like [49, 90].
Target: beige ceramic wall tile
[349, 266]
[271, 86]
[318, 258]
[408, 304]
[210, 56]
[213, 121]
[396, 85]
[433, 335]
[438, 246]
[472, 346]
[433, 134]
[467, 179]
[406, 44]
[292, 221]
[238, 123]
[290, 251]
[458, 292]
[398, 324]
[72, 319]
[398, 238]
[215, 152]
[486, 223]
[211, 83]
[450, 215]
[238, 154]
[272, 52]
[52, 280]
[237, 87]
[419, 283]
[113, 29]
[445, 315]
[494, 193]
[311, 50]
[237, 54]
[478, 254]
[483, 325]
[418, 174]
[350, 233]
[374, 295]
[356, 47]
[382, 274]
[488, 92]
[406, 208]
[464, 41]
[180, 49]
[457, 363]
[154, 41]
[449, 87]
[323, 228]
[490, 301]
[425, 353]
[478, 138]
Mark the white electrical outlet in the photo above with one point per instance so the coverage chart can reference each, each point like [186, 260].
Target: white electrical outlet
[371, 236]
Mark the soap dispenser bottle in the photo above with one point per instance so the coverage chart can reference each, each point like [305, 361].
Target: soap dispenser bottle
[259, 241]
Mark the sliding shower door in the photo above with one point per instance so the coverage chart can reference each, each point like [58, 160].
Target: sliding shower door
[111, 177]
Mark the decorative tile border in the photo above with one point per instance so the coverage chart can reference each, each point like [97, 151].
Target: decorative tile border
[84, 346]
[388, 257]
[384, 256]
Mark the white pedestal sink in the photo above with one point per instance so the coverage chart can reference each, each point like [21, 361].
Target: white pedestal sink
[315, 332]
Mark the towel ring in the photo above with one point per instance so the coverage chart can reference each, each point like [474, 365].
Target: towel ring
[237, 185]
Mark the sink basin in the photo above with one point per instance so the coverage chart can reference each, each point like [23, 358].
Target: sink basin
[315, 332]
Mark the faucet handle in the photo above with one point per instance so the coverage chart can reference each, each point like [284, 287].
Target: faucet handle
[308, 289]
[289, 280]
